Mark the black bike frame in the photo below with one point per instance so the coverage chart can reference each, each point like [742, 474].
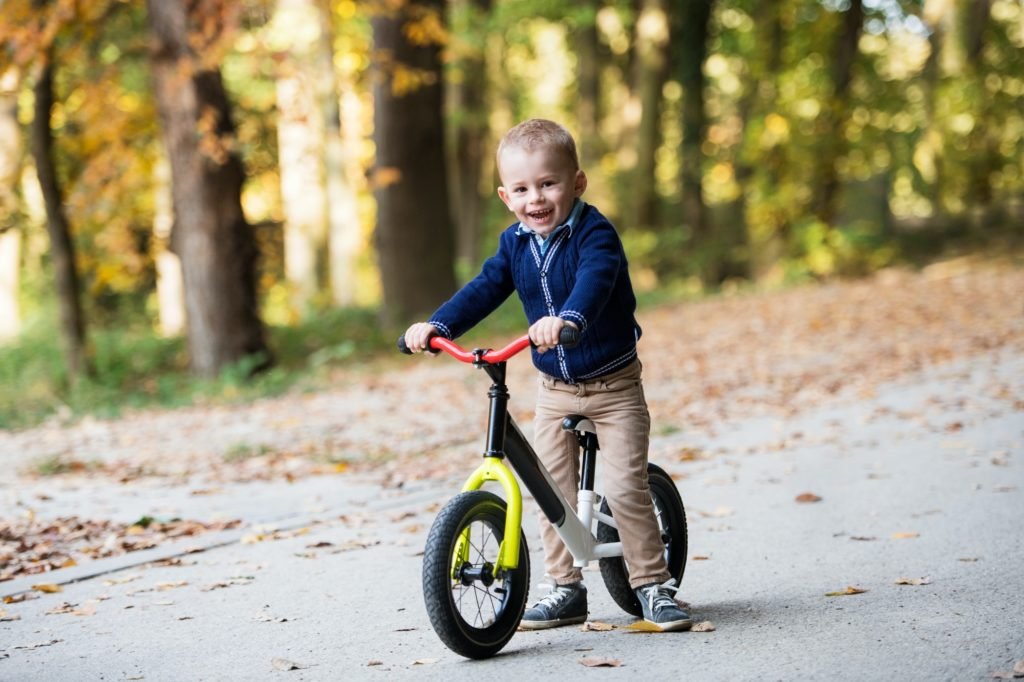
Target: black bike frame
[506, 441]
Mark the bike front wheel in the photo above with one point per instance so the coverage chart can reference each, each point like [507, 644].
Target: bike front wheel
[671, 517]
[474, 608]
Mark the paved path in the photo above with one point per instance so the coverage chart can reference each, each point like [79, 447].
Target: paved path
[923, 479]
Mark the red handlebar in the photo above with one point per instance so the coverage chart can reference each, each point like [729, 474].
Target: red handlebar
[490, 356]
[568, 337]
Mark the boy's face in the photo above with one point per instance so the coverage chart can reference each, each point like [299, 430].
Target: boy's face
[539, 186]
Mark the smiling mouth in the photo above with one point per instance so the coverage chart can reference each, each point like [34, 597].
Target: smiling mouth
[540, 215]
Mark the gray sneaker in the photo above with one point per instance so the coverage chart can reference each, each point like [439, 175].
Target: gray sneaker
[563, 605]
[661, 609]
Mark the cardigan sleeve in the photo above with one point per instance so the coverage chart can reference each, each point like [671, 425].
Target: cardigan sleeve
[479, 297]
[600, 258]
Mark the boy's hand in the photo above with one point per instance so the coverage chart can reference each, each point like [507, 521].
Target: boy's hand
[544, 332]
[417, 337]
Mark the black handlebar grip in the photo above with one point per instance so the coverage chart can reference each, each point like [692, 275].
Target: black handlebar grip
[569, 337]
[402, 347]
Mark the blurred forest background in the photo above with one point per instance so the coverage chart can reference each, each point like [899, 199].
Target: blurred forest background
[215, 199]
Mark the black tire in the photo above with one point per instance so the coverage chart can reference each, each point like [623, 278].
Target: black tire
[668, 508]
[477, 614]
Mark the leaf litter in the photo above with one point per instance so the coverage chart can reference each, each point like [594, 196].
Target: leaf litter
[752, 355]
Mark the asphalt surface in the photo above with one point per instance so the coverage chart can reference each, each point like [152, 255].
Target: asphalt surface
[923, 480]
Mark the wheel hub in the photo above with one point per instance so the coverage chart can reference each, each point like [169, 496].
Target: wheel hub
[483, 573]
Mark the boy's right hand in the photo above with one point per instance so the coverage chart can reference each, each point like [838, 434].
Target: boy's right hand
[417, 337]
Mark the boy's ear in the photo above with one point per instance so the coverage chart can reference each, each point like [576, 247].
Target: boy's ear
[503, 194]
[580, 185]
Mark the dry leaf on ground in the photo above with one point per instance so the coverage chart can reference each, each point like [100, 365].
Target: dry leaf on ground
[905, 536]
[703, 626]
[600, 662]
[596, 626]
[849, 590]
[807, 498]
[914, 581]
[285, 664]
[49, 588]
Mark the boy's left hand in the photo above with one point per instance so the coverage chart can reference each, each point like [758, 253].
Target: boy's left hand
[545, 332]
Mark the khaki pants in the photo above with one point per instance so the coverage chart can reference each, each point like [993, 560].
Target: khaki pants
[616, 405]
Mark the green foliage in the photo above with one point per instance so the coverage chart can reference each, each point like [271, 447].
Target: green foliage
[136, 369]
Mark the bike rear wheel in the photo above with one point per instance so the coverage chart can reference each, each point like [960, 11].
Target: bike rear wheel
[474, 609]
[671, 516]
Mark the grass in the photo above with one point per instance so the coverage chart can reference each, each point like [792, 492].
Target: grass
[135, 368]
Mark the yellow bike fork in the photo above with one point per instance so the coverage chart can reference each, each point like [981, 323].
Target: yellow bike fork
[495, 469]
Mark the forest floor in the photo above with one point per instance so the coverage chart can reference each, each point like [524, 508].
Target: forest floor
[817, 377]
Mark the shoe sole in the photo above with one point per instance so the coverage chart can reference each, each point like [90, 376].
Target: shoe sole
[546, 624]
[674, 626]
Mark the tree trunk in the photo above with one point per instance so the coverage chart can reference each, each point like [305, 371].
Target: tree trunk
[928, 152]
[765, 240]
[693, 18]
[468, 126]
[588, 87]
[170, 290]
[414, 230]
[300, 146]
[834, 112]
[10, 236]
[652, 35]
[344, 234]
[983, 140]
[62, 250]
[210, 234]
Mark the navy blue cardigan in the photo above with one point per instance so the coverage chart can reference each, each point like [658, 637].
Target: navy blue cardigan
[582, 276]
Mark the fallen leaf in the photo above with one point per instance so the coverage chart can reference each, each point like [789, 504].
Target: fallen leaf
[849, 590]
[163, 587]
[905, 536]
[18, 598]
[600, 662]
[643, 626]
[425, 661]
[8, 617]
[122, 579]
[807, 498]
[969, 559]
[596, 626]
[719, 513]
[285, 664]
[863, 538]
[49, 588]
[703, 626]
[374, 662]
[914, 581]
[700, 557]
[36, 646]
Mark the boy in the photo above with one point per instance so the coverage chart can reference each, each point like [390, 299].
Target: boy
[566, 262]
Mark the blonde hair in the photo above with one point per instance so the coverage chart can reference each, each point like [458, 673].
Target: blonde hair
[539, 132]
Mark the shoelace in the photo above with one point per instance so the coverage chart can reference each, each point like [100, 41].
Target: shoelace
[556, 595]
[657, 595]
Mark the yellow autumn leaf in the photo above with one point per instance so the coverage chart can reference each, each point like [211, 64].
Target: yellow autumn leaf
[49, 588]
[643, 626]
[849, 590]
